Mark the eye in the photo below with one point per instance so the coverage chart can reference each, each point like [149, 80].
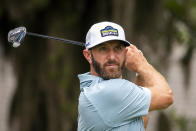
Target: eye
[119, 48]
[102, 48]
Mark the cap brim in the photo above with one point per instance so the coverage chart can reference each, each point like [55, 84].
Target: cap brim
[126, 43]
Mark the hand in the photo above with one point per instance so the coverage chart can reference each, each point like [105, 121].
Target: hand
[135, 59]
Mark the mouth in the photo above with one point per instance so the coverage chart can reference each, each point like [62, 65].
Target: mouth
[111, 65]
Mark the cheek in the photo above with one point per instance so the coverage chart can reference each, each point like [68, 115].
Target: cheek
[101, 60]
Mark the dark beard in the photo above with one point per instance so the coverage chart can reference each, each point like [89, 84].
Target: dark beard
[103, 73]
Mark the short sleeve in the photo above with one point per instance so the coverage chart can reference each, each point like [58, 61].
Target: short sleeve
[119, 101]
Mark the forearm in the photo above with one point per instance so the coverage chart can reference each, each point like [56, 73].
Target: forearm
[149, 77]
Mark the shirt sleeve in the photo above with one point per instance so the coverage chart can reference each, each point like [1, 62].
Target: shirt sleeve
[119, 101]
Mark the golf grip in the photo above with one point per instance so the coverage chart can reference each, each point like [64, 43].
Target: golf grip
[56, 38]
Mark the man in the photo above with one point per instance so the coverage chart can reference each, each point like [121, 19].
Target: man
[108, 102]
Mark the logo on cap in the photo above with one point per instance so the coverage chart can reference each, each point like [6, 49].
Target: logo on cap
[109, 31]
[87, 44]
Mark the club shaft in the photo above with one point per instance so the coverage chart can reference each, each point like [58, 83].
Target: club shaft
[56, 38]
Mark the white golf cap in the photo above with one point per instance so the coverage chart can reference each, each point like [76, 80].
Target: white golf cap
[103, 32]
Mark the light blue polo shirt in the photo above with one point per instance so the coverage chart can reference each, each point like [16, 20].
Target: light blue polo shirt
[111, 105]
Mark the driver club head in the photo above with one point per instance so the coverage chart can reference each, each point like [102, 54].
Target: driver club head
[16, 35]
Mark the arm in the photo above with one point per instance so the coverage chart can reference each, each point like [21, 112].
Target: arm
[148, 77]
[161, 94]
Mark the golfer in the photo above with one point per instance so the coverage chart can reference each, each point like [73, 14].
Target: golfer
[108, 102]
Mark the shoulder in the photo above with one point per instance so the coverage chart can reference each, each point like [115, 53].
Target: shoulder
[118, 89]
[117, 85]
[114, 90]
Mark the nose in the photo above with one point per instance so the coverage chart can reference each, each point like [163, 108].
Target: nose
[111, 55]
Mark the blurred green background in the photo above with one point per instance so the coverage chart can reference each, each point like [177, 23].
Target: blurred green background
[46, 88]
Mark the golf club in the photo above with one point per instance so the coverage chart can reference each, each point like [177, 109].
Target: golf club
[16, 36]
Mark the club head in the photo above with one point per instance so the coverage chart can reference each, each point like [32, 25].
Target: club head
[16, 35]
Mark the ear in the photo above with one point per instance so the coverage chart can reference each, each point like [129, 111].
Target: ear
[126, 49]
[87, 55]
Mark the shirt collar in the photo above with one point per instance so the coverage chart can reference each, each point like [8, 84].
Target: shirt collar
[87, 80]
